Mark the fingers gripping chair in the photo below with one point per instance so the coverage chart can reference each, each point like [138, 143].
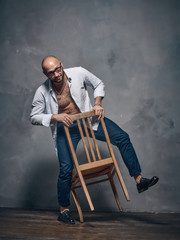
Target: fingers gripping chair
[88, 173]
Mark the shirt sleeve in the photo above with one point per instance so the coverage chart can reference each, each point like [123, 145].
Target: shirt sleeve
[38, 115]
[94, 82]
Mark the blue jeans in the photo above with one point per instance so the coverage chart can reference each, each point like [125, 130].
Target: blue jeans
[117, 137]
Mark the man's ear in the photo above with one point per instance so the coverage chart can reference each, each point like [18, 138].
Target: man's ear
[44, 72]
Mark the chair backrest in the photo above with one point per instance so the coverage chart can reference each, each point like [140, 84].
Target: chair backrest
[83, 128]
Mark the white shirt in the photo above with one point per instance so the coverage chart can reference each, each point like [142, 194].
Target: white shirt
[45, 104]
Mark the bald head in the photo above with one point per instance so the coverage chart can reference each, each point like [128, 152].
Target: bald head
[49, 63]
[53, 69]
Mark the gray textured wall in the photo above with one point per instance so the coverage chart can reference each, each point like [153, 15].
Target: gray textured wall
[134, 47]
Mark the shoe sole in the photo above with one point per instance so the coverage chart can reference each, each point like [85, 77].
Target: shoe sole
[70, 223]
[67, 222]
[150, 185]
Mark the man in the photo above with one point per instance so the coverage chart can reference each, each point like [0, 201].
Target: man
[63, 94]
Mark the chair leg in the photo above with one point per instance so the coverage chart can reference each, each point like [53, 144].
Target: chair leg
[122, 182]
[77, 205]
[84, 187]
[115, 194]
[114, 160]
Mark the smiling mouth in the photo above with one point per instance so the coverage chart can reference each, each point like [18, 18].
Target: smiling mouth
[58, 79]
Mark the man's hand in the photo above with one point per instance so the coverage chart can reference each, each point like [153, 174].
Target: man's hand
[99, 111]
[65, 118]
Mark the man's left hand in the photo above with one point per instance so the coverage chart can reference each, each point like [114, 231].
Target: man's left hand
[99, 111]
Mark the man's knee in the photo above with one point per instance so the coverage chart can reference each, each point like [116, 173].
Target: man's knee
[120, 138]
[126, 136]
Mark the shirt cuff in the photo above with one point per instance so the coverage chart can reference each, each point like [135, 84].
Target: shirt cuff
[46, 120]
[99, 94]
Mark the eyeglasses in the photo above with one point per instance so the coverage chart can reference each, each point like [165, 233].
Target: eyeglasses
[57, 70]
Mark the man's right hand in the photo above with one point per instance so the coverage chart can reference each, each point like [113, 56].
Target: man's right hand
[65, 118]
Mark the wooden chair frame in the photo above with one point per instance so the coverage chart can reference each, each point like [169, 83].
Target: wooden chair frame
[93, 169]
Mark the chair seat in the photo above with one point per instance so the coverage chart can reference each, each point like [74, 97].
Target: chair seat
[93, 170]
[95, 166]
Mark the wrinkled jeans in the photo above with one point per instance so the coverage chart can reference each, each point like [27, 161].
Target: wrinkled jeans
[117, 136]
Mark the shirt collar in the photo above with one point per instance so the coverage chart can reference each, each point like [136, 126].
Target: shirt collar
[50, 85]
[69, 78]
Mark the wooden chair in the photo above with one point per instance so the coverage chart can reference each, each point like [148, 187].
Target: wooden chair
[95, 168]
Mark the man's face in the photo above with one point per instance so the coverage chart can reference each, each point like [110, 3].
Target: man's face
[53, 69]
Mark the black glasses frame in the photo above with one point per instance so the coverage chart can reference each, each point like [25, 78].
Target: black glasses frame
[57, 70]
